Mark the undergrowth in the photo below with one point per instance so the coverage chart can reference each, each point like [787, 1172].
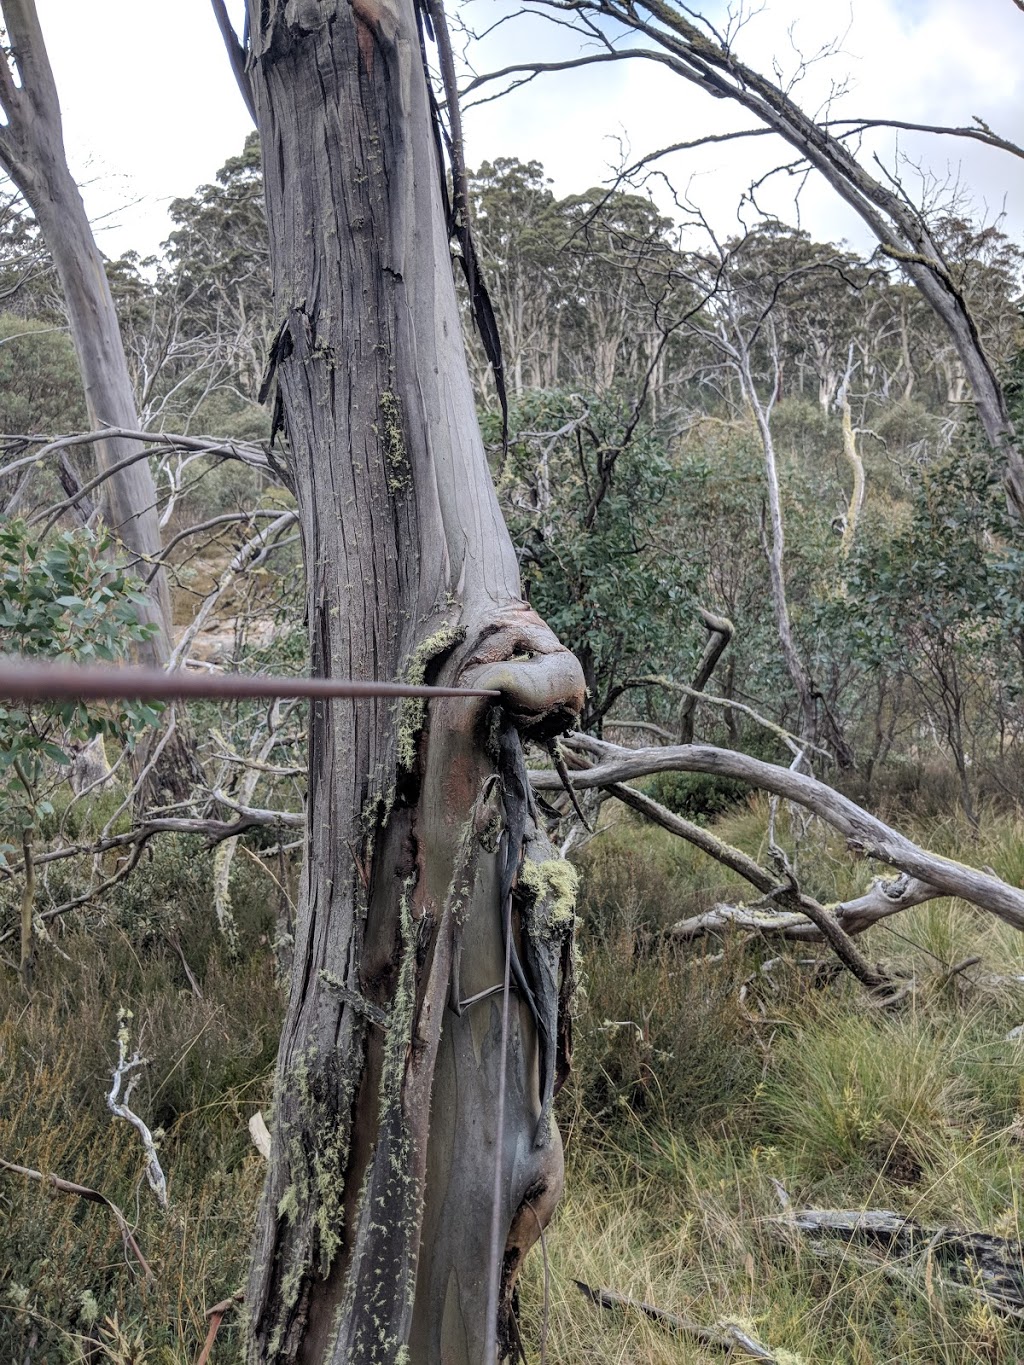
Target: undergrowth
[693, 1103]
[69, 1288]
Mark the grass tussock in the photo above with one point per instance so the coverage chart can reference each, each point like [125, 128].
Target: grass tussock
[69, 1291]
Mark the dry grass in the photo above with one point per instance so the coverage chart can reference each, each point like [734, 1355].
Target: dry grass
[686, 1105]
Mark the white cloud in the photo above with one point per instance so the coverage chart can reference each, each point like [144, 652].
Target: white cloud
[151, 109]
[940, 63]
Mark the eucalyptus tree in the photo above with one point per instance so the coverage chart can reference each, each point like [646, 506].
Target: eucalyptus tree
[519, 232]
[414, 1155]
[32, 154]
[218, 273]
[686, 42]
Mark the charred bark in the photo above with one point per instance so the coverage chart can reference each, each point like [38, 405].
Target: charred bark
[373, 1235]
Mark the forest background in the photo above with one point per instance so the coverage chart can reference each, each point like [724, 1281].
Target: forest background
[660, 379]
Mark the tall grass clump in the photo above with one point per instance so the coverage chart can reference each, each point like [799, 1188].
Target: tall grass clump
[69, 1289]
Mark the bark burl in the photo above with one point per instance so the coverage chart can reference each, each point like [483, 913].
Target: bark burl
[374, 1230]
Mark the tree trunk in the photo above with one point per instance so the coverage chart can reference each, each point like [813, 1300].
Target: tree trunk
[373, 1237]
[32, 152]
[775, 550]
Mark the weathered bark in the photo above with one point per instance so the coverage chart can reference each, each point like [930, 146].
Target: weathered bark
[373, 1237]
[32, 153]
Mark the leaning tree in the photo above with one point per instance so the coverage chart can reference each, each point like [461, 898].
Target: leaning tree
[32, 154]
[414, 1156]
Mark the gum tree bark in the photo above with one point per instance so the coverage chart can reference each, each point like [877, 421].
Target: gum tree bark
[374, 1232]
[32, 153]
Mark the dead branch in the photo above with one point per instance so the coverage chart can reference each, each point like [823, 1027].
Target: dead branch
[886, 897]
[788, 893]
[727, 1336]
[244, 451]
[794, 743]
[863, 832]
[84, 1192]
[978, 1262]
[720, 632]
[118, 1106]
[979, 131]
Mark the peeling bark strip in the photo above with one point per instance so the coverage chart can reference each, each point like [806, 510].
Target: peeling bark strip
[372, 1237]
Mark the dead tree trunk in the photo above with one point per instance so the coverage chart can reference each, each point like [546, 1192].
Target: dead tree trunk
[374, 1233]
[32, 153]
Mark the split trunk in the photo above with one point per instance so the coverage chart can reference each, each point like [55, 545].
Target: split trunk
[374, 1233]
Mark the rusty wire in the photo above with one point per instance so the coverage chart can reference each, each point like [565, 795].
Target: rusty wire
[22, 680]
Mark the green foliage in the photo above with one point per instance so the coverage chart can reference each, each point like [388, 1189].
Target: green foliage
[585, 499]
[697, 796]
[61, 599]
[950, 576]
[40, 387]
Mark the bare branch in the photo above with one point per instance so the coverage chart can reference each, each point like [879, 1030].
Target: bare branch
[119, 1107]
[84, 1192]
[885, 898]
[727, 1336]
[864, 832]
[900, 228]
[980, 132]
[787, 893]
[244, 451]
[236, 54]
[720, 632]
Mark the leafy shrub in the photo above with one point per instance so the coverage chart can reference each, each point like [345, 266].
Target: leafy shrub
[697, 796]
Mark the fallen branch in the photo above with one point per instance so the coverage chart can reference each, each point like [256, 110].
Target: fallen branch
[821, 917]
[84, 1192]
[864, 833]
[988, 1266]
[885, 898]
[727, 1336]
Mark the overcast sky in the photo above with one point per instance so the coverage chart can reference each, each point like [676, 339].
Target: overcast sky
[151, 109]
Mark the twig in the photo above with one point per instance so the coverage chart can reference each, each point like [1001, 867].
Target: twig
[119, 1108]
[728, 1336]
[216, 1315]
[84, 1192]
